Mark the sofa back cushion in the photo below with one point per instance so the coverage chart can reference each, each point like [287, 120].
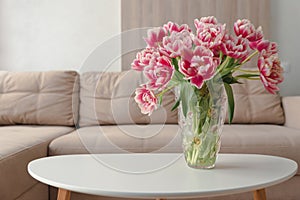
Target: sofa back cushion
[42, 98]
[108, 98]
[253, 104]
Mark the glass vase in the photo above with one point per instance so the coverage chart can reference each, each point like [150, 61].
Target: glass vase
[202, 124]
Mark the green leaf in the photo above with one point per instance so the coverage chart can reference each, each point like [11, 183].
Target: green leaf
[160, 99]
[230, 63]
[225, 72]
[228, 78]
[176, 104]
[234, 80]
[230, 100]
[177, 77]
[184, 104]
[175, 63]
[186, 94]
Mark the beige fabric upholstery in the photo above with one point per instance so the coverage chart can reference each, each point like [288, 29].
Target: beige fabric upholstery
[18, 146]
[38, 191]
[118, 139]
[253, 104]
[291, 106]
[261, 139]
[108, 98]
[44, 98]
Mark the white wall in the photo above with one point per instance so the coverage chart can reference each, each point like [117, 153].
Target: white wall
[55, 34]
[285, 27]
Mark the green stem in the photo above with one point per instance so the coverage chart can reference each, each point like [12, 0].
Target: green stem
[166, 90]
[221, 56]
[249, 57]
[249, 78]
[224, 64]
[196, 152]
[246, 71]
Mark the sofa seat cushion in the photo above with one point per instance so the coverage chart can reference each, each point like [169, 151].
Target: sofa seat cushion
[119, 139]
[258, 139]
[18, 146]
[14, 139]
[262, 139]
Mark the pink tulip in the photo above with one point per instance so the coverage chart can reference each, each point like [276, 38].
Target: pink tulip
[145, 99]
[269, 47]
[236, 48]
[205, 20]
[246, 29]
[263, 44]
[199, 56]
[173, 27]
[155, 37]
[159, 73]
[205, 61]
[143, 58]
[270, 71]
[173, 44]
[210, 35]
[198, 65]
[273, 48]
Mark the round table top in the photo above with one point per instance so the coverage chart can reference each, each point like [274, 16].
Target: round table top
[160, 175]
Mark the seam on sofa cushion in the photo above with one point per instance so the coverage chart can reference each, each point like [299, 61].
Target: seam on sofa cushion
[29, 147]
[27, 190]
[33, 148]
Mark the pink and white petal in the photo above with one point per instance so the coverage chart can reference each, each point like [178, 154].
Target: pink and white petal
[197, 81]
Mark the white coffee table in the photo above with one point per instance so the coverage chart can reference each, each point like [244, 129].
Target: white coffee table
[160, 176]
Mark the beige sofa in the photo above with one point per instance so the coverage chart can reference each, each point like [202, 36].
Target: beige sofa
[35, 108]
[101, 117]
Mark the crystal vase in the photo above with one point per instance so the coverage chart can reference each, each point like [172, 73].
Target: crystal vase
[202, 123]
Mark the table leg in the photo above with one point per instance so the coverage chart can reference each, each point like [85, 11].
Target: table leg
[63, 194]
[260, 194]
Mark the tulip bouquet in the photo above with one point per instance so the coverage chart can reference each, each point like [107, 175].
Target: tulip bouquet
[177, 57]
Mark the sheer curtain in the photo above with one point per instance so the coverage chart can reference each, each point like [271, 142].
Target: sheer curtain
[145, 13]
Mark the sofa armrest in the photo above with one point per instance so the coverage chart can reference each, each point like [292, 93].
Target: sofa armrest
[291, 107]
